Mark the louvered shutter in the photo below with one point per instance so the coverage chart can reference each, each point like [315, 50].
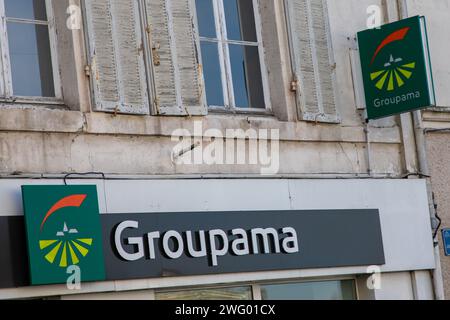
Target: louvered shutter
[312, 60]
[177, 73]
[117, 56]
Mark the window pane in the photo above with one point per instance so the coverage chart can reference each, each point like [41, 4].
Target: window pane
[325, 290]
[246, 74]
[238, 293]
[212, 74]
[240, 19]
[205, 17]
[26, 9]
[31, 64]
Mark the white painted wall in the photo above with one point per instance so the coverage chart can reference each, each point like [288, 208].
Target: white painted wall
[395, 286]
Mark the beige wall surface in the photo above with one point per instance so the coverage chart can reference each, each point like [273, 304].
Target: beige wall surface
[438, 145]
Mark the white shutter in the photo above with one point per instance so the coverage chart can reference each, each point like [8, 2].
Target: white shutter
[117, 56]
[312, 60]
[177, 73]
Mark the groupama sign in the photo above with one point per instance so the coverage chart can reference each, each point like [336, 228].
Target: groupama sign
[64, 229]
[396, 68]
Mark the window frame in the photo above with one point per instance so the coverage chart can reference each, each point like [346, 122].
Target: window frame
[256, 286]
[6, 84]
[223, 43]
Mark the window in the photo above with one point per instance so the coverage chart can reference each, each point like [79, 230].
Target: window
[27, 40]
[233, 293]
[232, 54]
[144, 55]
[315, 290]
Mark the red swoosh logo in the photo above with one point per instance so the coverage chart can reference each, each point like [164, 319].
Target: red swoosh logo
[395, 36]
[70, 201]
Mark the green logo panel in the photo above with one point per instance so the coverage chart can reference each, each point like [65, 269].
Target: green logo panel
[63, 230]
[396, 68]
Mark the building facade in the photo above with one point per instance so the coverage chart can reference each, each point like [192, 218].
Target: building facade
[223, 109]
[435, 124]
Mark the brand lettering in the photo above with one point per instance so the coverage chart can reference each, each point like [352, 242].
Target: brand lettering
[396, 99]
[197, 244]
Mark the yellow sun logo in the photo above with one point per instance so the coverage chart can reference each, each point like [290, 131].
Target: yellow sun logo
[394, 76]
[62, 250]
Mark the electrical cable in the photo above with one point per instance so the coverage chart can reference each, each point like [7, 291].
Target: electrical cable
[82, 174]
[437, 218]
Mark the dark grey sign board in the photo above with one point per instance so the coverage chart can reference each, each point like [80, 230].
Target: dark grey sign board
[146, 245]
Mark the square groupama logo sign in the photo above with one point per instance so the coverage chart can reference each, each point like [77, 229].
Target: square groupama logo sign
[396, 68]
[63, 230]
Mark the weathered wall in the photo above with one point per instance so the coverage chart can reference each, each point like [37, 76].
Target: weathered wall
[438, 146]
[38, 140]
[69, 142]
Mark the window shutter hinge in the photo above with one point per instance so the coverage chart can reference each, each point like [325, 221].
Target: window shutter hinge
[87, 70]
[294, 85]
[156, 105]
[155, 54]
